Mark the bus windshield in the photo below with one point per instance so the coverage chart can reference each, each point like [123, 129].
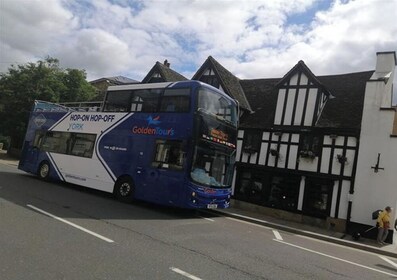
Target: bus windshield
[214, 103]
[212, 166]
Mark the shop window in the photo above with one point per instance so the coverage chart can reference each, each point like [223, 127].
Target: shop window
[317, 198]
[252, 141]
[284, 192]
[252, 187]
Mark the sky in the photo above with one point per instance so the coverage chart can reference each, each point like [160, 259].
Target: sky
[251, 38]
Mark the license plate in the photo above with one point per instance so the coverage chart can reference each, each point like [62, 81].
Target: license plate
[212, 206]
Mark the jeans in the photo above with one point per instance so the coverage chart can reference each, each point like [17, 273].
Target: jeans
[382, 234]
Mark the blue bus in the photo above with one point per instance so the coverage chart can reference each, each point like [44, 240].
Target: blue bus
[166, 143]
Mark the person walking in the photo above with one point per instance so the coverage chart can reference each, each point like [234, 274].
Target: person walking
[383, 225]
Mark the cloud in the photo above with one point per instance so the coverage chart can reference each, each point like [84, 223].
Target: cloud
[30, 29]
[253, 39]
[103, 52]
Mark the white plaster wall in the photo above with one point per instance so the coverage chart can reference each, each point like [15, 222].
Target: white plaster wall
[299, 106]
[344, 200]
[311, 103]
[290, 107]
[375, 190]
[280, 106]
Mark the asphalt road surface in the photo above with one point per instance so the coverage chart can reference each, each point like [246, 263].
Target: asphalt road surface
[53, 230]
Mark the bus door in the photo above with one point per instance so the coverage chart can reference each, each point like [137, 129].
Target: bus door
[165, 175]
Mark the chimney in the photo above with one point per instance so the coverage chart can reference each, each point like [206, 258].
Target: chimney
[383, 75]
[166, 63]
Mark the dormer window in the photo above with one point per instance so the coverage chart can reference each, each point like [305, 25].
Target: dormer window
[210, 78]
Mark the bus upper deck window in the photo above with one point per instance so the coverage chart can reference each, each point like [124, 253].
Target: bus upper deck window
[117, 101]
[175, 100]
[145, 100]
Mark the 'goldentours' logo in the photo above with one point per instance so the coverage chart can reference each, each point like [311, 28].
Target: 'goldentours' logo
[153, 130]
[154, 121]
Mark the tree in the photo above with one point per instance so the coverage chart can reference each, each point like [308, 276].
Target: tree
[43, 80]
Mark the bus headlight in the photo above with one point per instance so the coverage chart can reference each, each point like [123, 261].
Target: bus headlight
[193, 194]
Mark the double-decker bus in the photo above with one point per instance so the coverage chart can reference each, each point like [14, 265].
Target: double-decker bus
[167, 143]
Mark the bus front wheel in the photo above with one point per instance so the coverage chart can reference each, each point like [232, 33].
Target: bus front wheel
[44, 170]
[124, 189]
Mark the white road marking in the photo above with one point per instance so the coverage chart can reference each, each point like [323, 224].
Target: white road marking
[181, 272]
[208, 219]
[277, 234]
[70, 223]
[336, 258]
[248, 223]
[389, 261]
[242, 216]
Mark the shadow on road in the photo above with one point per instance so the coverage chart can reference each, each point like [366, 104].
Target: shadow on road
[72, 201]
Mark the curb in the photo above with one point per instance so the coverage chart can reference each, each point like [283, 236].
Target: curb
[322, 237]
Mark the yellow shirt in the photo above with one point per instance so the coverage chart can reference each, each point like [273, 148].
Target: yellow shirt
[383, 218]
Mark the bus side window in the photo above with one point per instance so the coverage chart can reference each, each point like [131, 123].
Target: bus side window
[175, 100]
[169, 154]
[38, 139]
[145, 100]
[83, 145]
[117, 101]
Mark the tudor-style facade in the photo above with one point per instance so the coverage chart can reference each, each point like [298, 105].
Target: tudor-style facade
[300, 158]
[305, 142]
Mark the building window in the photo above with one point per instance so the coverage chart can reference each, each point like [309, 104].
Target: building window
[210, 80]
[252, 141]
[252, 187]
[310, 145]
[317, 198]
[262, 188]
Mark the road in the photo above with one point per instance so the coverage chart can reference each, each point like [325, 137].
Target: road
[60, 231]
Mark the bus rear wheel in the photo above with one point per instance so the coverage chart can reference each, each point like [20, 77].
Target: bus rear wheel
[124, 189]
[44, 170]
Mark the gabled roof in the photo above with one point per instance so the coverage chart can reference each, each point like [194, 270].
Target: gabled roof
[116, 80]
[262, 94]
[342, 111]
[230, 83]
[165, 72]
[301, 67]
[345, 110]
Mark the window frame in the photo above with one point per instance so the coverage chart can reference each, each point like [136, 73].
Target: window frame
[70, 140]
[307, 145]
[252, 141]
[168, 145]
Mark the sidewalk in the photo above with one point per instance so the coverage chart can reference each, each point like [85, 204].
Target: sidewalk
[246, 213]
[6, 159]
